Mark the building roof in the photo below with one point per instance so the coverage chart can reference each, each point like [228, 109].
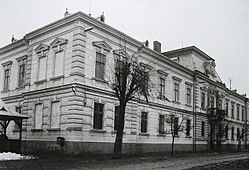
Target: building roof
[6, 114]
[190, 49]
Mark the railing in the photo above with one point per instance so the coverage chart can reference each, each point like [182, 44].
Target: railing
[215, 114]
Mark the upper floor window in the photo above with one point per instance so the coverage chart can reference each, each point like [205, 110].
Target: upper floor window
[21, 70]
[58, 46]
[162, 87]
[238, 111]
[176, 93]
[188, 96]
[100, 66]
[227, 107]
[220, 104]
[6, 78]
[203, 100]
[232, 110]
[42, 52]
[242, 113]
[102, 49]
[144, 122]
[98, 116]
[212, 102]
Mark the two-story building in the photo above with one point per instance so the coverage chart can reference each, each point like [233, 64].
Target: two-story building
[60, 75]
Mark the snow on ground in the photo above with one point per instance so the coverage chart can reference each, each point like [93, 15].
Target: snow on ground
[14, 156]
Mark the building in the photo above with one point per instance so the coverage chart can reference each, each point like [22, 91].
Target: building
[60, 76]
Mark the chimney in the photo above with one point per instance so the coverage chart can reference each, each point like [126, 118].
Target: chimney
[157, 46]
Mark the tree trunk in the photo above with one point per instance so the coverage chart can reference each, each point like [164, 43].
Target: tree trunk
[117, 152]
[172, 146]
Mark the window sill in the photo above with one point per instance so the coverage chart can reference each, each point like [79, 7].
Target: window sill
[57, 77]
[188, 136]
[188, 105]
[98, 130]
[53, 129]
[161, 135]
[5, 91]
[176, 102]
[20, 88]
[114, 132]
[16, 130]
[99, 80]
[144, 134]
[74, 129]
[36, 130]
[40, 81]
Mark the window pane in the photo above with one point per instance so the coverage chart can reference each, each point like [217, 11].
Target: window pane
[55, 114]
[58, 67]
[98, 116]
[38, 116]
[144, 122]
[117, 109]
[161, 124]
[42, 68]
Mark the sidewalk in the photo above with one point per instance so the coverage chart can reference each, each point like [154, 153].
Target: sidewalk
[200, 161]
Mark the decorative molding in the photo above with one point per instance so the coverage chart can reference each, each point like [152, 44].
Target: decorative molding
[22, 58]
[7, 63]
[188, 83]
[161, 72]
[176, 78]
[102, 44]
[145, 65]
[58, 41]
[41, 47]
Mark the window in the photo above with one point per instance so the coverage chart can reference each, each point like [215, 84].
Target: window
[100, 66]
[38, 116]
[238, 133]
[176, 126]
[220, 104]
[58, 63]
[6, 75]
[6, 79]
[162, 87]
[188, 127]
[55, 115]
[18, 110]
[117, 110]
[98, 116]
[176, 92]
[202, 129]
[232, 111]
[203, 100]
[227, 107]
[242, 134]
[188, 97]
[226, 131]
[238, 110]
[42, 67]
[21, 70]
[242, 113]
[21, 75]
[212, 102]
[144, 122]
[161, 124]
[232, 133]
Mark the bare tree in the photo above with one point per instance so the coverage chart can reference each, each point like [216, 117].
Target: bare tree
[176, 127]
[222, 132]
[131, 80]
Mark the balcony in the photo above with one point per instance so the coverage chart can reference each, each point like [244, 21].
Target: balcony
[216, 115]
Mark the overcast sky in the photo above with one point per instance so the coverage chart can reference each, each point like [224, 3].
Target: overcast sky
[218, 27]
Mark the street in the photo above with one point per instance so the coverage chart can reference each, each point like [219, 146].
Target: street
[193, 161]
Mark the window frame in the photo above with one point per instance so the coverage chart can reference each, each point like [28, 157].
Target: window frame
[98, 116]
[144, 122]
[161, 124]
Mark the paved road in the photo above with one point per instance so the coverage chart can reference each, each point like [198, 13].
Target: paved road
[202, 161]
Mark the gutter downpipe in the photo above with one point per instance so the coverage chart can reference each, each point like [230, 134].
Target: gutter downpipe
[246, 128]
[194, 112]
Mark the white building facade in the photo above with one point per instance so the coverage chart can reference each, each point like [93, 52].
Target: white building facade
[60, 76]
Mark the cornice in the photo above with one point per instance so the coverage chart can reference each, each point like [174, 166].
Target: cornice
[13, 45]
